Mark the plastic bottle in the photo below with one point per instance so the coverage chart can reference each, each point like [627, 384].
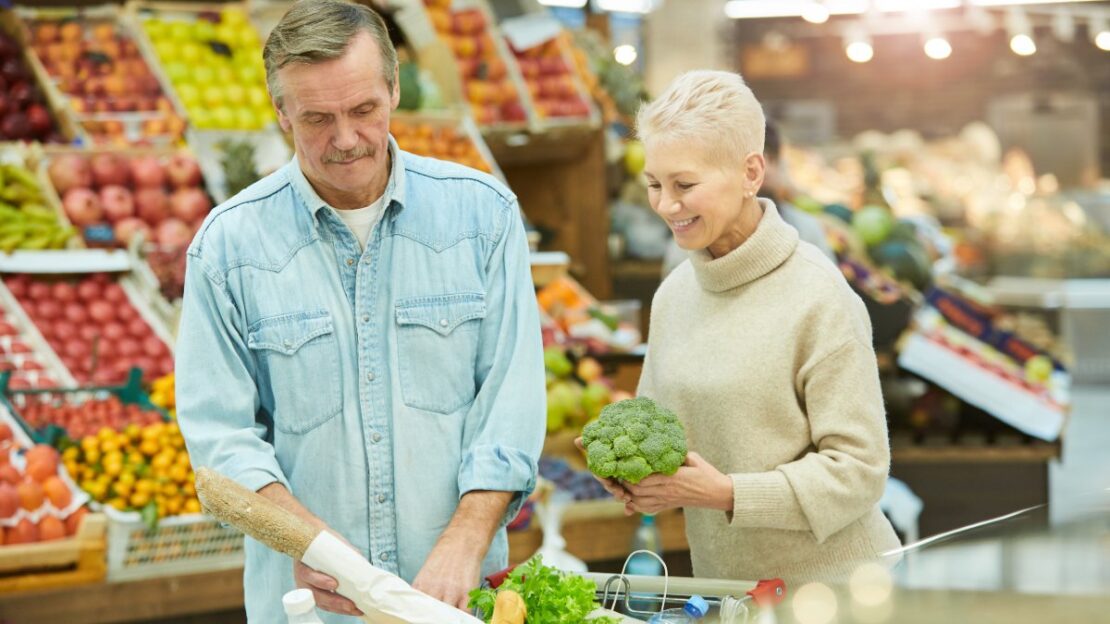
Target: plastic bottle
[695, 609]
[300, 607]
[646, 538]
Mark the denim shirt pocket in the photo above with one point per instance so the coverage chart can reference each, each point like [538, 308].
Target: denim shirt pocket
[437, 344]
[300, 355]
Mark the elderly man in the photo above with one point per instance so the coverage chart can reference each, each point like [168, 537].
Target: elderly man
[360, 340]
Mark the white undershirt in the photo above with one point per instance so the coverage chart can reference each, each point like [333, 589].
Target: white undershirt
[361, 221]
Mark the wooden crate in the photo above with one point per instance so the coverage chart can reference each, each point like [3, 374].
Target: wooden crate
[131, 127]
[77, 560]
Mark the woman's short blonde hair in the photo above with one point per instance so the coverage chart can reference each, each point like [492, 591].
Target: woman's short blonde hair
[715, 109]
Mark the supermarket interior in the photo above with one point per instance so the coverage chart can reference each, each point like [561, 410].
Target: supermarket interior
[239, 384]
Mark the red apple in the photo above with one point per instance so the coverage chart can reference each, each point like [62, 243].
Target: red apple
[153, 346]
[126, 229]
[183, 170]
[75, 313]
[117, 202]
[173, 233]
[114, 331]
[82, 206]
[137, 328]
[15, 126]
[153, 205]
[70, 171]
[110, 169]
[39, 119]
[102, 312]
[189, 204]
[88, 290]
[47, 309]
[64, 292]
[147, 172]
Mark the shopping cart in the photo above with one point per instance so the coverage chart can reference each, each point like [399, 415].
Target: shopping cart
[642, 598]
[648, 597]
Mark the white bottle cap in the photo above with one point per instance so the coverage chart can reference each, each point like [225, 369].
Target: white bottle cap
[298, 602]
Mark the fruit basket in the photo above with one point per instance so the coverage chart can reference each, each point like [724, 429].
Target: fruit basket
[96, 324]
[542, 53]
[30, 217]
[91, 60]
[29, 111]
[38, 500]
[211, 54]
[179, 545]
[490, 81]
[446, 136]
[24, 352]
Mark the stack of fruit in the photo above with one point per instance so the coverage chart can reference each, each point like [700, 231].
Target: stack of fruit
[18, 358]
[163, 394]
[80, 420]
[492, 95]
[214, 60]
[109, 84]
[443, 142]
[35, 502]
[161, 197]
[93, 327]
[26, 222]
[144, 469]
[575, 392]
[23, 113]
[554, 89]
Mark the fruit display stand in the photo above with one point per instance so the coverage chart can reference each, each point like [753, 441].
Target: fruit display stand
[31, 218]
[542, 51]
[488, 79]
[23, 350]
[32, 110]
[211, 56]
[447, 136]
[90, 62]
[118, 330]
[71, 550]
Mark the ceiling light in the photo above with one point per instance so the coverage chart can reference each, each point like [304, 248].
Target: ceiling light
[625, 54]
[1023, 45]
[938, 48]
[1100, 34]
[859, 51]
[815, 12]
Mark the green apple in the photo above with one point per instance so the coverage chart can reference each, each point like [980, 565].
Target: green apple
[225, 74]
[257, 97]
[248, 74]
[223, 117]
[155, 29]
[634, 158]
[200, 117]
[246, 119]
[189, 94]
[166, 50]
[176, 71]
[204, 30]
[180, 31]
[235, 94]
[213, 95]
[233, 16]
[191, 53]
[204, 75]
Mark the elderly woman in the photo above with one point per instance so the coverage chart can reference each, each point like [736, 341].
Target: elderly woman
[763, 351]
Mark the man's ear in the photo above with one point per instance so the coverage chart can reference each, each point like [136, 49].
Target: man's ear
[395, 97]
[283, 120]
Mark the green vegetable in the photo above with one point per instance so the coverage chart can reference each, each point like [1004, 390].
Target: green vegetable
[551, 596]
[633, 439]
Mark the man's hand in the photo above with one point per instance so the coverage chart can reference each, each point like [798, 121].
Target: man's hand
[322, 586]
[323, 590]
[612, 486]
[450, 572]
[454, 565]
[696, 484]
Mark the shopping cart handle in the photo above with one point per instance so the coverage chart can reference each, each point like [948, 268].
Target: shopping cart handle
[768, 592]
[497, 578]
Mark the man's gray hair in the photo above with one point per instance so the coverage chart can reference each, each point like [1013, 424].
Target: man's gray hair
[314, 31]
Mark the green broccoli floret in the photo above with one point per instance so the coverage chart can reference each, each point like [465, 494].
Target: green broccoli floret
[633, 439]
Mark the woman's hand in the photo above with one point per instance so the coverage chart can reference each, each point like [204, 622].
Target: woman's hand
[612, 486]
[696, 484]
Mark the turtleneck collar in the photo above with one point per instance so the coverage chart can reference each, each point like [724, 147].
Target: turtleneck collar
[769, 246]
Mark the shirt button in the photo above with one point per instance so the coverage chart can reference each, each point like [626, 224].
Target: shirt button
[443, 322]
[377, 437]
[381, 498]
[384, 557]
[350, 261]
[365, 318]
[288, 343]
[369, 376]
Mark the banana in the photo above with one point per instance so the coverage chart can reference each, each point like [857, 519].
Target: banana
[40, 241]
[40, 213]
[11, 242]
[61, 237]
[21, 176]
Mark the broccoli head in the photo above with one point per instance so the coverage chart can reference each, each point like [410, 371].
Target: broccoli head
[633, 439]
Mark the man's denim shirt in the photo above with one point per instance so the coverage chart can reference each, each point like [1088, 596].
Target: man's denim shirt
[378, 386]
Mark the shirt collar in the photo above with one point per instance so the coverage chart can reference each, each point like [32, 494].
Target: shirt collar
[394, 188]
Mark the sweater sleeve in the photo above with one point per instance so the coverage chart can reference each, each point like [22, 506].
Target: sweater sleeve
[843, 477]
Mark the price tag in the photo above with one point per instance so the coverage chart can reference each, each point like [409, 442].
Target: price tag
[528, 31]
